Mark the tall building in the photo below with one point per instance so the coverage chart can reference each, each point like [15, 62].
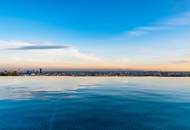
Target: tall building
[40, 70]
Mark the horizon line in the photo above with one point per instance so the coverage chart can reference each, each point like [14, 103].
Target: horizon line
[87, 69]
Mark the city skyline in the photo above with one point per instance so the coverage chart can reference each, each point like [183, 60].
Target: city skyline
[101, 34]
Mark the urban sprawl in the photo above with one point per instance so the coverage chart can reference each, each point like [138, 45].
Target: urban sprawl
[39, 72]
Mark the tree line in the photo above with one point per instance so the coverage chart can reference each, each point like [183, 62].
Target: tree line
[9, 73]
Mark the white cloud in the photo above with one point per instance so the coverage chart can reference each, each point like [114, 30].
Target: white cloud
[12, 52]
[167, 24]
[144, 30]
[70, 57]
[180, 20]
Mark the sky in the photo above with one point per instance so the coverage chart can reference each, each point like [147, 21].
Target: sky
[95, 34]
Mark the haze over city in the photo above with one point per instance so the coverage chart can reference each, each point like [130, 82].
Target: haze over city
[82, 34]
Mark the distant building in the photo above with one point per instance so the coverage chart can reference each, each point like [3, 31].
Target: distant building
[40, 70]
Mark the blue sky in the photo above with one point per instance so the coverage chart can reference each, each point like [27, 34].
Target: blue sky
[134, 34]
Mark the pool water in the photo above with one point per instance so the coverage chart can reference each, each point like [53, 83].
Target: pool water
[94, 103]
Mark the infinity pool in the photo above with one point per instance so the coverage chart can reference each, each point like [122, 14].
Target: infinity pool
[94, 103]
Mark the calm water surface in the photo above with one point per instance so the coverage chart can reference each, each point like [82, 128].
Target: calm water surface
[94, 103]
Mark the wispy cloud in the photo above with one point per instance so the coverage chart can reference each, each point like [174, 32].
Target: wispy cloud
[181, 61]
[180, 20]
[52, 56]
[39, 47]
[144, 30]
[167, 24]
[30, 45]
[45, 54]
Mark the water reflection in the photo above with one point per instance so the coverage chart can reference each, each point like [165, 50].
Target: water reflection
[36, 87]
[102, 103]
